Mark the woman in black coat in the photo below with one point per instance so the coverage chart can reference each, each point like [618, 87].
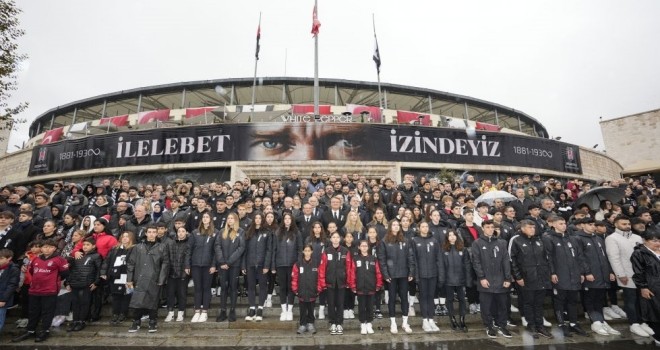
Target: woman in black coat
[646, 265]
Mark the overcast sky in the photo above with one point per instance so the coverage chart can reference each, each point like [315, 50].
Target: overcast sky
[565, 63]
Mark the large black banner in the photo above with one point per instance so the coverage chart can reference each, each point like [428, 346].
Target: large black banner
[303, 141]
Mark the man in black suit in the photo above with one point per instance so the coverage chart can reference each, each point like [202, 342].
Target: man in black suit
[334, 214]
[521, 204]
[354, 205]
[305, 219]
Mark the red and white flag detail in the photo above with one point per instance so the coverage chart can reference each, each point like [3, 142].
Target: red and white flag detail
[152, 116]
[405, 117]
[194, 112]
[374, 112]
[309, 109]
[120, 120]
[52, 136]
[316, 24]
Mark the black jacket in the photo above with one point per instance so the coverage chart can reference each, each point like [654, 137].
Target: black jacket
[529, 262]
[396, 259]
[285, 251]
[228, 251]
[593, 248]
[202, 249]
[508, 229]
[113, 267]
[366, 278]
[566, 260]
[9, 279]
[84, 271]
[647, 275]
[439, 231]
[490, 261]
[521, 207]
[258, 250]
[339, 264]
[177, 249]
[458, 268]
[464, 232]
[428, 257]
[306, 278]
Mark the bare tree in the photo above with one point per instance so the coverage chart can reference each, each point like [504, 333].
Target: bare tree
[10, 60]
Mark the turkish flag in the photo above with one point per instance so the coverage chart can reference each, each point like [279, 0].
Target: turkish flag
[52, 136]
[374, 112]
[309, 109]
[194, 112]
[487, 127]
[120, 120]
[407, 117]
[150, 116]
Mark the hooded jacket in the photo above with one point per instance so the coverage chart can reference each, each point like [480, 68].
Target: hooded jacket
[593, 248]
[646, 267]
[566, 260]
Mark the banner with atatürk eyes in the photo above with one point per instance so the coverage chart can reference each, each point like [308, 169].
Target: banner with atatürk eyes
[320, 140]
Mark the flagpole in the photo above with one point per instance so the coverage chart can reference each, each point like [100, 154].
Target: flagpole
[256, 60]
[380, 98]
[316, 69]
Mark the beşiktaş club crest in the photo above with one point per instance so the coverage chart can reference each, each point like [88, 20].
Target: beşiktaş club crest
[42, 155]
[570, 154]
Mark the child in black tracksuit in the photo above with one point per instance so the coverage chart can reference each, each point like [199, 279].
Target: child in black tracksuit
[307, 282]
[365, 280]
[83, 280]
[349, 299]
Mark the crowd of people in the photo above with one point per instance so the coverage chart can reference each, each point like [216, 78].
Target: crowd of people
[336, 241]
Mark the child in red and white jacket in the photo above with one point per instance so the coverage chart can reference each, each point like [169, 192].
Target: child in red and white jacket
[307, 282]
[365, 280]
[48, 270]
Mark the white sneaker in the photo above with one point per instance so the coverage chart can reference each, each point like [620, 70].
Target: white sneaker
[351, 314]
[195, 317]
[386, 297]
[514, 309]
[203, 317]
[411, 311]
[170, 316]
[214, 292]
[321, 312]
[393, 328]
[587, 317]
[179, 316]
[346, 314]
[473, 308]
[406, 328]
[69, 317]
[191, 283]
[363, 328]
[597, 327]
[434, 327]
[289, 315]
[609, 312]
[370, 329]
[426, 327]
[219, 291]
[610, 330]
[478, 308]
[415, 300]
[268, 303]
[619, 311]
[637, 329]
[333, 329]
[523, 321]
[283, 314]
[647, 329]
[546, 323]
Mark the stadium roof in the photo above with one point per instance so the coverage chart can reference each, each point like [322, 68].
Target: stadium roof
[284, 90]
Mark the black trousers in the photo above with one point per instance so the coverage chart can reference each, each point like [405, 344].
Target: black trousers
[533, 307]
[176, 293]
[255, 275]
[426, 287]
[284, 280]
[366, 308]
[398, 286]
[81, 302]
[349, 299]
[229, 284]
[138, 313]
[97, 296]
[593, 300]
[472, 294]
[460, 293]
[42, 308]
[307, 312]
[120, 304]
[493, 309]
[335, 297]
[565, 301]
[202, 280]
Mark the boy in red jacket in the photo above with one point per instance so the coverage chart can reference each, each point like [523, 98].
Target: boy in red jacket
[307, 282]
[47, 270]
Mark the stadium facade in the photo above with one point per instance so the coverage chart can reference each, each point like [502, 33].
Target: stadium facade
[211, 131]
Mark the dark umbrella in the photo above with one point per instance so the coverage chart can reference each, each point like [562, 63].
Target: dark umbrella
[594, 196]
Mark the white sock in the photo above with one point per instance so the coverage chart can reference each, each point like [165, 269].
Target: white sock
[283, 307]
[393, 320]
[261, 307]
[436, 301]
[442, 301]
[268, 297]
[405, 320]
[290, 308]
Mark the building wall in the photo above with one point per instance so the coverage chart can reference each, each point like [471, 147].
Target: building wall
[595, 166]
[633, 139]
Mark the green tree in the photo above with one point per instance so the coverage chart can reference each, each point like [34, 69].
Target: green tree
[10, 60]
